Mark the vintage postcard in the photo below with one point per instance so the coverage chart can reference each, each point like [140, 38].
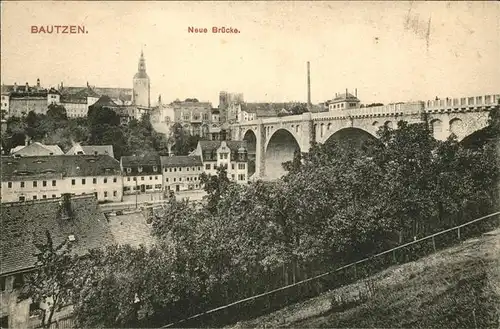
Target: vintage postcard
[250, 164]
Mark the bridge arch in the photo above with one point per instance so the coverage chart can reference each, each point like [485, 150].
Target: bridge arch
[457, 128]
[437, 128]
[355, 137]
[251, 140]
[477, 139]
[280, 147]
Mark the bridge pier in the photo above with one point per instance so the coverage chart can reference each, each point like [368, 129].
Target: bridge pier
[260, 151]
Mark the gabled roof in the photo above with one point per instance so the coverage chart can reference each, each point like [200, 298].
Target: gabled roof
[214, 145]
[142, 160]
[91, 149]
[180, 161]
[26, 222]
[36, 149]
[44, 167]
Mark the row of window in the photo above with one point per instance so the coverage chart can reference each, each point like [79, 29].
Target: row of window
[180, 179]
[241, 166]
[155, 169]
[142, 178]
[180, 169]
[185, 117]
[137, 188]
[53, 196]
[177, 187]
[35, 184]
[94, 181]
[54, 182]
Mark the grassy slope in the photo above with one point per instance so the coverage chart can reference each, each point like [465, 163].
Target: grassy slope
[456, 288]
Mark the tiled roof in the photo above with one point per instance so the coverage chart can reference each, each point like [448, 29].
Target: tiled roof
[40, 167]
[124, 94]
[37, 149]
[92, 149]
[80, 95]
[214, 145]
[146, 160]
[26, 222]
[181, 161]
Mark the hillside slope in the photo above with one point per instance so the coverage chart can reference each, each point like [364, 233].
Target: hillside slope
[455, 288]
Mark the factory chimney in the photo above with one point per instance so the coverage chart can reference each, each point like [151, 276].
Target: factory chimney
[308, 87]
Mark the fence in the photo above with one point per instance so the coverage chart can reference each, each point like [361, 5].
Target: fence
[65, 323]
[247, 308]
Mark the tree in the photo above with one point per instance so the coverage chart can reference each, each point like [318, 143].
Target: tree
[215, 186]
[99, 116]
[299, 109]
[57, 112]
[52, 280]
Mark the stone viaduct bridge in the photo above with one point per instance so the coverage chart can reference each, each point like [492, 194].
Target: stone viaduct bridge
[276, 139]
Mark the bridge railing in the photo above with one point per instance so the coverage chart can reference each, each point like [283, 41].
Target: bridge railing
[463, 102]
[390, 109]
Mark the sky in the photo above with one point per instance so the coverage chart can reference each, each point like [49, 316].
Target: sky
[389, 51]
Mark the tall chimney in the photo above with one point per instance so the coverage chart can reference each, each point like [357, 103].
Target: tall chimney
[356, 92]
[308, 87]
[346, 92]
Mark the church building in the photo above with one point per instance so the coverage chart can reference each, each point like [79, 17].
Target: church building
[141, 85]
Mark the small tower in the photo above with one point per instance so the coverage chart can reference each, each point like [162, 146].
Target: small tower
[141, 85]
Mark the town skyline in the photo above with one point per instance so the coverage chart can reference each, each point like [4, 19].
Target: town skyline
[392, 51]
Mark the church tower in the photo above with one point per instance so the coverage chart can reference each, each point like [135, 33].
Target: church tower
[141, 96]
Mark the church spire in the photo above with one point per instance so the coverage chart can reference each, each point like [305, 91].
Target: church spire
[142, 63]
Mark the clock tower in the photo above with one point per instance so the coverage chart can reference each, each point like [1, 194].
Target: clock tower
[141, 92]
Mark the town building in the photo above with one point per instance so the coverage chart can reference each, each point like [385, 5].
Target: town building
[194, 116]
[124, 112]
[344, 101]
[141, 175]
[181, 173]
[226, 101]
[141, 85]
[35, 149]
[75, 219]
[4, 104]
[48, 177]
[91, 149]
[18, 101]
[162, 113]
[232, 155]
[77, 103]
